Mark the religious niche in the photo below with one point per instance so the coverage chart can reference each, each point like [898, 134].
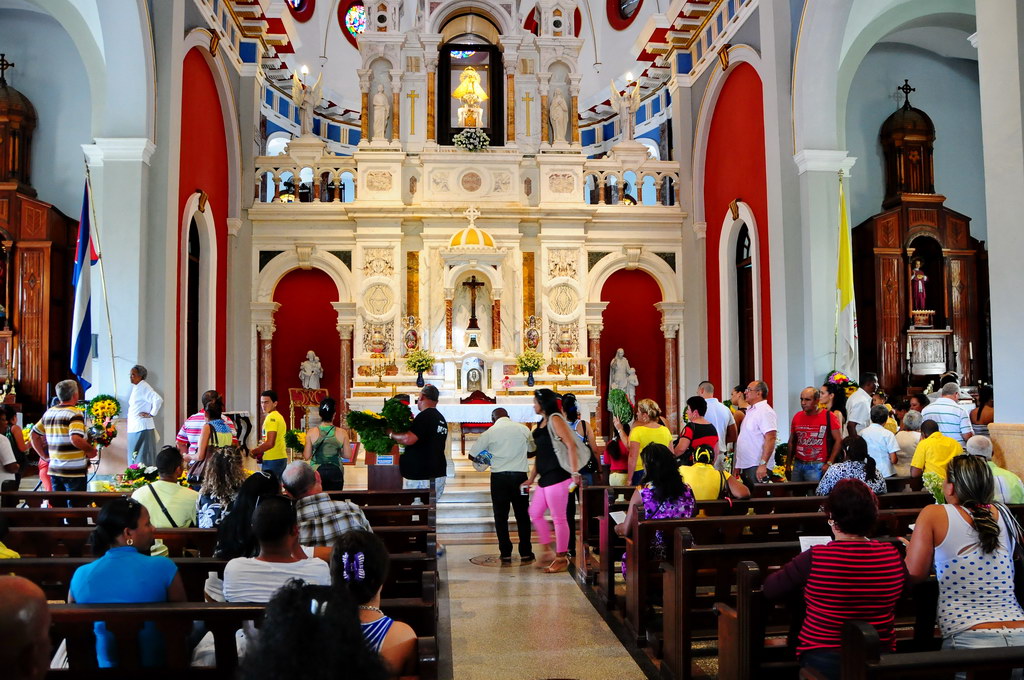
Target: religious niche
[378, 338]
[563, 299]
[531, 333]
[411, 335]
[561, 182]
[562, 262]
[377, 262]
[378, 299]
[564, 336]
[378, 180]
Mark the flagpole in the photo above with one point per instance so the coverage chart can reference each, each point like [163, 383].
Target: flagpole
[103, 279]
[839, 249]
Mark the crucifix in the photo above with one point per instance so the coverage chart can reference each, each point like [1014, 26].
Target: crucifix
[472, 284]
[4, 65]
[526, 100]
[412, 96]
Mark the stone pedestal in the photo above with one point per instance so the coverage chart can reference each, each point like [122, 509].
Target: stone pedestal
[1008, 446]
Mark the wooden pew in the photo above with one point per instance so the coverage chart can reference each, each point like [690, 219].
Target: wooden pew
[863, 659]
[82, 499]
[377, 515]
[590, 507]
[744, 651]
[175, 620]
[73, 541]
[784, 489]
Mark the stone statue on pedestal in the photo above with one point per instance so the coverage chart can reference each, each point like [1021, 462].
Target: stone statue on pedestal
[305, 98]
[626, 105]
[311, 371]
[631, 384]
[918, 280]
[559, 115]
[381, 111]
[618, 373]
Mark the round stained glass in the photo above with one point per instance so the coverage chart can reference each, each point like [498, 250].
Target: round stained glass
[355, 19]
[462, 54]
[296, 4]
[627, 8]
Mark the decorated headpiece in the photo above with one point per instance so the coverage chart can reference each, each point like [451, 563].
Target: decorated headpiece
[353, 566]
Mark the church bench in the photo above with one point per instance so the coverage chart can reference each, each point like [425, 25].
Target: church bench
[593, 503]
[864, 659]
[73, 623]
[377, 515]
[73, 541]
[82, 499]
[783, 489]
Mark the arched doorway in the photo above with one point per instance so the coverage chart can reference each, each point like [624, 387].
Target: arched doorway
[632, 322]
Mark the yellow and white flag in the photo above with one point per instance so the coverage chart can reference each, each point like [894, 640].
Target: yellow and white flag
[847, 359]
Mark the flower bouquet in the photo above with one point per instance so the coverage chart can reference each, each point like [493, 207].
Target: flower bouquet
[102, 433]
[471, 139]
[419, 361]
[372, 427]
[103, 407]
[529, 361]
[137, 474]
[295, 440]
[506, 383]
[842, 380]
[933, 484]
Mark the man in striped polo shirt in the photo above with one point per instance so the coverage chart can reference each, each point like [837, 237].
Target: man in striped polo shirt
[947, 413]
[60, 438]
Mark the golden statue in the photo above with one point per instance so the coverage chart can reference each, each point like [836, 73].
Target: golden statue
[470, 93]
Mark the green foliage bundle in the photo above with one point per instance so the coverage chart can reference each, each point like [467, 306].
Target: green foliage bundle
[620, 406]
[372, 427]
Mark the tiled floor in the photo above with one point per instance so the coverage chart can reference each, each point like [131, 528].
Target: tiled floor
[517, 623]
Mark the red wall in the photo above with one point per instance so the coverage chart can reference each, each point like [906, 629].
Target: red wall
[305, 321]
[735, 169]
[203, 164]
[632, 322]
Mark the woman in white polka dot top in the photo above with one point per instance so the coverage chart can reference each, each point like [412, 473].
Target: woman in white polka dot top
[972, 540]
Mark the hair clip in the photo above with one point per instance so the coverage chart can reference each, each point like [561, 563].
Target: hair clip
[316, 607]
[352, 566]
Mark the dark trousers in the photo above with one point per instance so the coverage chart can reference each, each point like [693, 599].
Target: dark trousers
[505, 492]
[68, 483]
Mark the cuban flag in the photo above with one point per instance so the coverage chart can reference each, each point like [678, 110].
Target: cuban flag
[81, 325]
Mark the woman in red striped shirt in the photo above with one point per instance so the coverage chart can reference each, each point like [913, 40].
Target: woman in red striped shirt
[849, 579]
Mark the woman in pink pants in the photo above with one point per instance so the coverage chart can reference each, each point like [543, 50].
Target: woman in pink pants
[553, 480]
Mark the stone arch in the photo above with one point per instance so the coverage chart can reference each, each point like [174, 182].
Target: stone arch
[199, 39]
[504, 20]
[275, 270]
[206, 226]
[493, 276]
[738, 54]
[727, 299]
[667, 279]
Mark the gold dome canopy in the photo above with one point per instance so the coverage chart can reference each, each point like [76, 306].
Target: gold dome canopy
[471, 236]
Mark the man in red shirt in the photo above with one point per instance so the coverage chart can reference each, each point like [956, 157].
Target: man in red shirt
[814, 439]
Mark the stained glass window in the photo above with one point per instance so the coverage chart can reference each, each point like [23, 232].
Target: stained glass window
[628, 8]
[297, 4]
[355, 19]
[462, 54]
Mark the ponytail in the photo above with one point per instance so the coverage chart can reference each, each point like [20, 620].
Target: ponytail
[115, 517]
[870, 469]
[974, 487]
[985, 524]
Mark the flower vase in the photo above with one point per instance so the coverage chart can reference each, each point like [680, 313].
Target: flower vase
[529, 379]
[419, 379]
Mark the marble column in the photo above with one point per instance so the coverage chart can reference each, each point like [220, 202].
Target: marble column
[574, 108]
[265, 347]
[448, 323]
[671, 376]
[364, 118]
[510, 104]
[431, 122]
[345, 371]
[594, 350]
[544, 134]
[396, 105]
[496, 325]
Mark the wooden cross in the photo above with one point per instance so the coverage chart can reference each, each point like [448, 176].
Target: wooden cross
[472, 284]
[906, 89]
[526, 100]
[412, 96]
[4, 65]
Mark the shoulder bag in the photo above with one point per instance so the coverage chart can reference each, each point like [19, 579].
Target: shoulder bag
[562, 451]
[163, 507]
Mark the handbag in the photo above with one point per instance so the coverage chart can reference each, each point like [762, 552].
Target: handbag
[583, 454]
[591, 466]
[198, 469]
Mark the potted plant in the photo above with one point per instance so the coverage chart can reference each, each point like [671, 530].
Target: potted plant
[420, 361]
[529, 361]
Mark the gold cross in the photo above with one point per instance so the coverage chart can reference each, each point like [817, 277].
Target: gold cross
[526, 100]
[412, 96]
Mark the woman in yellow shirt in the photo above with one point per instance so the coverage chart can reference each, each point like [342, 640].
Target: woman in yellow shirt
[646, 429]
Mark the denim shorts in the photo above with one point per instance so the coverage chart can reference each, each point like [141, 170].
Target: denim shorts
[983, 638]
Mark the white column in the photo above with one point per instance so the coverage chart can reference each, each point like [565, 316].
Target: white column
[119, 168]
[1001, 80]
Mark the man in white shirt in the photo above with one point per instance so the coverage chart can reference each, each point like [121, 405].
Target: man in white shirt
[170, 504]
[281, 558]
[882, 444]
[858, 406]
[721, 417]
[755, 446]
[508, 442]
[951, 418]
[143, 404]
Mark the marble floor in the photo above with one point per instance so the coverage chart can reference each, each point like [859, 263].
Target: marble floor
[517, 623]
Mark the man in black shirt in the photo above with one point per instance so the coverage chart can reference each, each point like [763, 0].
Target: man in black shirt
[424, 457]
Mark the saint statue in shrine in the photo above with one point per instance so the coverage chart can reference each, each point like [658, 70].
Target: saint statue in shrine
[918, 281]
[311, 371]
[559, 116]
[470, 92]
[381, 112]
[618, 373]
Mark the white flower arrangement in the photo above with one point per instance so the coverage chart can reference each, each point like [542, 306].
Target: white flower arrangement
[472, 139]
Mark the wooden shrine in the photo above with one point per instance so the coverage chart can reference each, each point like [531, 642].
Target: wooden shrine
[919, 301]
[35, 270]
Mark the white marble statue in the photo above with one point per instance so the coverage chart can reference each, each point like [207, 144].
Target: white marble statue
[305, 98]
[618, 372]
[381, 110]
[311, 371]
[625, 106]
[559, 115]
[631, 384]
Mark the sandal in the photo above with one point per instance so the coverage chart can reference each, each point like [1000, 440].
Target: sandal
[560, 564]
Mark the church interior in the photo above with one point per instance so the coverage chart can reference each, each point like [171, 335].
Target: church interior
[361, 199]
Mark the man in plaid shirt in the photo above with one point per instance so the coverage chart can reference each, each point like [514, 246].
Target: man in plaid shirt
[321, 520]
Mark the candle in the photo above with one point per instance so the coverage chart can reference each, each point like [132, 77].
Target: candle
[970, 350]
